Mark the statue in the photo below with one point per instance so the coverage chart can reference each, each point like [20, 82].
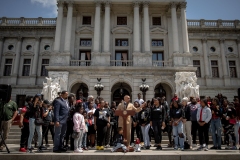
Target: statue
[51, 88]
[186, 84]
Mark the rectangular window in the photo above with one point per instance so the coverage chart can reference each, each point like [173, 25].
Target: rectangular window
[196, 63]
[85, 57]
[121, 20]
[214, 65]
[45, 62]
[8, 67]
[156, 21]
[121, 42]
[21, 100]
[157, 42]
[86, 42]
[26, 67]
[86, 20]
[232, 68]
[121, 58]
[158, 58]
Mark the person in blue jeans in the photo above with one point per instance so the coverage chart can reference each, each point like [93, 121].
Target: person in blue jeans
[61, 109]
[216, 125]
[177, 114]
[84, 140]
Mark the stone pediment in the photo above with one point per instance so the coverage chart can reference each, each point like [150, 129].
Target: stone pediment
[27, 53]
[121, 30]
[158, 30]
[231, 55]
[85, 29]
[9, 53]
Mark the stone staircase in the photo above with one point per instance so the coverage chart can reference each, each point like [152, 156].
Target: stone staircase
[15, 134]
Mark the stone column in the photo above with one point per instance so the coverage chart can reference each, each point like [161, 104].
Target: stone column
[97, 27]
[106, 38]
[68, 32]
[58, 32]
[136, 30]
[146, 27]
[1, 48]
[173, 6]
[206, 63]
[184, 28]
[226, 76]
[36, 56]
[17, 58]
[238, 44]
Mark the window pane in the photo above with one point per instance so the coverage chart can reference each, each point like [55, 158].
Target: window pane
[8, 61]
[157, 42]
[7, 70]
[233, 72]
[196, 62]
[198, 72]
[160, 57]
[27, 61]
[214, 63]
[215, 72]
[232, 63]
[44, 72]
[121, 20]
[45, 61]
[87, 20]
[85, 42]
[156, 20]
[26, 70]
[118, 56]
[154, 57]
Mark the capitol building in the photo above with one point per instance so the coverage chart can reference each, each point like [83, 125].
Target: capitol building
[121, 42]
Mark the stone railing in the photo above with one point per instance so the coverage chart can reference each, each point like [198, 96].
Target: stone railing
[213, 23]
[162, 63]
[80, 63]
[27, 21]
[123, 63]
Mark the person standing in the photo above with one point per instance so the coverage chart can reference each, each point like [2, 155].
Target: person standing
[91, 131]
[144, 121]
[139, 99]
[102, 122]
[237, 125]
[216, 125]
[24, 124]
[157, 121]
[108, 133]
[187, 121]
[203, 117]
[46, 119]
[61, 109]
[8, 114]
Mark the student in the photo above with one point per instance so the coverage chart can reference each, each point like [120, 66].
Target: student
[91, 130]
[144, 122]
[102, 122]
[84, 140]
[157, 121]
[203, 117]
[79, 127]
[177, 114]
[187, 121]
[119, 141]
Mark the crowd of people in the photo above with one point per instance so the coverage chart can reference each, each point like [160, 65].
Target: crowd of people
[79, 124]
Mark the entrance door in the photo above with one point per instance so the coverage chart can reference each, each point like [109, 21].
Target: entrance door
[121, 58]
[119, 90]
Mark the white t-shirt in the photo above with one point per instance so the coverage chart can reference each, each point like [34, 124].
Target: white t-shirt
[140, 101]
[89, 111]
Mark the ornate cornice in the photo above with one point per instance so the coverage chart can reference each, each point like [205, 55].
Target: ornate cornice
[98, 3]
[60, 3]
[70, 4]
[183, 5]
[107, 3]
[136, 4]
[173, 5]
[146, 4]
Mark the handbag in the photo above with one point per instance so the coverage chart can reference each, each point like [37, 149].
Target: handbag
[232, 121]
[38, 120]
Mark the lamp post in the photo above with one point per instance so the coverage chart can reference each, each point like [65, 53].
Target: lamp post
[144, 88]
[98, 87]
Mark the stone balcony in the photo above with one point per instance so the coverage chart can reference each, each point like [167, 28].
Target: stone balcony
[28, 21]
[202, 23]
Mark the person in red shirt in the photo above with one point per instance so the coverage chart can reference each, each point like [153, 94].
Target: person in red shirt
[237, 125]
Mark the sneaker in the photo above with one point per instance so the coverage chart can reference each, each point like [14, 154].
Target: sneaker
[190, 147]
[200, 148]
[176, 148]
[85, 148]
[148, 147]
[32, 147]
[107, 146]
[47, 145]
[213, 147]
[219, 148]
[101, 148]
[182, 149]
[194, 145]
[97, 147]
[112, 150]
[80, 150]
[1, 148]
[204, 145]
[77, 151]
[233, 148]
[29, 150]
[125, 151]
[206, 148]
[22, 150]
[132, 144]
[159, 148]
[40, 149]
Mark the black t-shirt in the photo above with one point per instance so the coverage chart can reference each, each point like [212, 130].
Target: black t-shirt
[177, 112]
[144, 116]
[102, 116]
[158, 113]
[35, 112]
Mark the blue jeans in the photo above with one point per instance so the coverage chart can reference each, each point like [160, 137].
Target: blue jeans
[84, 140]
[216, 129]
[236, 128]
[32, 128]
[145, 131]
[177, 131]
[59, 135]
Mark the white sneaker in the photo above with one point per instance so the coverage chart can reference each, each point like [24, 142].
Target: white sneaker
[204, 145]
[107, 146]
[112, 150]
[182, 149]
[77, 151]
[206, 148]
[194, 145]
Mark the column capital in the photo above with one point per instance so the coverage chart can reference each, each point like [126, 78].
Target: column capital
[70, 3]
[173, 5]
[107, 3]
[136, 4]
[204, 40]
[146, 4]
[60, 3]
[183, 5]
[98, 3]
[221, 40]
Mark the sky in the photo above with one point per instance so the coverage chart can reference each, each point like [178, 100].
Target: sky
[196, 9]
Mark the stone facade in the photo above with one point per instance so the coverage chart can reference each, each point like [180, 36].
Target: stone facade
[121, 42]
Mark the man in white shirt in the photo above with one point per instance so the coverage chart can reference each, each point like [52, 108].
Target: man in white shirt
[139, 100]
